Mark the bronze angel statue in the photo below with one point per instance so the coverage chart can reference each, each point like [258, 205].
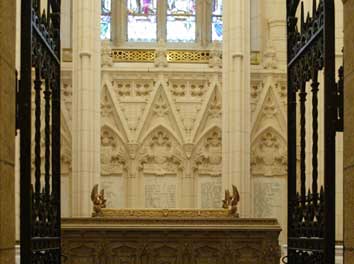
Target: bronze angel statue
[98, 201]
[230, 201]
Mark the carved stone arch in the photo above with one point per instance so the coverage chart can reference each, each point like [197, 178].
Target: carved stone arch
[114, 153]
[161, 151]
[269, 111]
[207, 153]
[160, 111]
[255, 135]
[115, 131]
[211, 111]
[111, 113]
[206, 131]
[206, 164]
[151, 130]
[268, 154]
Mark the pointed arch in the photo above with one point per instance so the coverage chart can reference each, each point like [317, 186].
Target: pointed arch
[215, 94]
[117, 114]
[170, 114]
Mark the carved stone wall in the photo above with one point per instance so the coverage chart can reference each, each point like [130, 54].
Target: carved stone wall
[160, 136]
[163, 120]
[269, 144]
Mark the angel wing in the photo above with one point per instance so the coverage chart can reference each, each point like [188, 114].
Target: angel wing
[226, 201]
[227, 195]
[94, 192]
[235, 194]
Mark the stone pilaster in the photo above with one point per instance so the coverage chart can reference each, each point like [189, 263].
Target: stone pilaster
[7, 130]
[348, 181]
[236, 101]
[86, 103]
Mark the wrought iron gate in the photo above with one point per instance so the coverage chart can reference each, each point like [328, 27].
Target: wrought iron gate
[38, 116]
[311, 193]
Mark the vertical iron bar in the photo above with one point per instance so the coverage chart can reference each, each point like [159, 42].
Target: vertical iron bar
[314, 86]
[25, 132]
[303, 141]
[56, 158]
[47, 94]
[340, 96]
[291, 158]
[291, 98]
[330, 125]
[37, 133]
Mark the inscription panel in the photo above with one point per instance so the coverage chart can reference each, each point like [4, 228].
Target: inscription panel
[210, 191]
[270, 199]
[160, 191]
[115, 191]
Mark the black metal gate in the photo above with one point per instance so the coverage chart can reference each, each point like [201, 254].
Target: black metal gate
[38, 116]
[311, 58]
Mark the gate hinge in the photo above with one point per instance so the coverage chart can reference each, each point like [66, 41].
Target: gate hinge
[18, 100]
[340, 100]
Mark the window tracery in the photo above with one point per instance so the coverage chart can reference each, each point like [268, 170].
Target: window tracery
[181, 20]
[142, 20]
[106, 17]
[217, 23]
[187, 22]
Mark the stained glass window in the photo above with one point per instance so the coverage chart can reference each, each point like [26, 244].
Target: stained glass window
[106, 19]
[181, 20]
[142, 20]
[217, 25]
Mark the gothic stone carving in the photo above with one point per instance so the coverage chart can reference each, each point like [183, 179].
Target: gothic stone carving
[113, 154]
[161, 154]
[208, 159]
[269, 155]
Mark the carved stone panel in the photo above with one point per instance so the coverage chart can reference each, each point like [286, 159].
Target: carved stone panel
[269, 154]
[160, 191]
[210, 190]
[113, 153]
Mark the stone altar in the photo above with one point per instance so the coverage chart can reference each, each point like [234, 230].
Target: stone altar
[170, 236]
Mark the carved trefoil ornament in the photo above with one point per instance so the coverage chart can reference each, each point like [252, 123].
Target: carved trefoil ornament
[161, 154]
[268, 156]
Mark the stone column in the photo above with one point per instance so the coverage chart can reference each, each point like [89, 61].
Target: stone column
[7, 130]
[348, 184]
[236, 101]
[86, 103]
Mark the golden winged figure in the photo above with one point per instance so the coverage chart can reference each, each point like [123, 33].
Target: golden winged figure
[230, 201]
[98, 201]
